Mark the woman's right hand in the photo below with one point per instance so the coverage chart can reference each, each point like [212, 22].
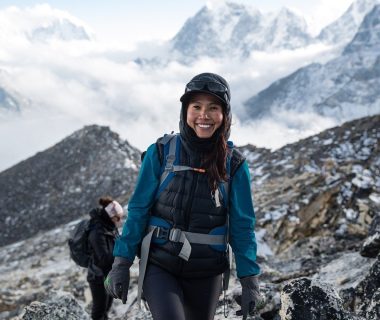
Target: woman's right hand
[117, 281]
[251, 299]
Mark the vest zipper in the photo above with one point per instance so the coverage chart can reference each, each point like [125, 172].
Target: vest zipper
[190, 201]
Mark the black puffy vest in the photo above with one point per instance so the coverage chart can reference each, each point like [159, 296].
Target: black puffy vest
[187, 204]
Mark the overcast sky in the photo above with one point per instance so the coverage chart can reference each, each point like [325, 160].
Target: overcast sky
[134, 21]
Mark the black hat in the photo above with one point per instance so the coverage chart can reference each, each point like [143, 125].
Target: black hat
[210, 83]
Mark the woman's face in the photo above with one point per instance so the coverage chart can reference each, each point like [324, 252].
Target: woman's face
[117, 220]
[204, 114]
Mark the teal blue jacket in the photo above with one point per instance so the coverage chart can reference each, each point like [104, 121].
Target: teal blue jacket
[241, 215]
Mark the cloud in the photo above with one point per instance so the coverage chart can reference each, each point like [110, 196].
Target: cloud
[286, 127]
[64, 85]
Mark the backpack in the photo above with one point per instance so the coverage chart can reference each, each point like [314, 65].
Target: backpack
[169, 147]
[78, 243]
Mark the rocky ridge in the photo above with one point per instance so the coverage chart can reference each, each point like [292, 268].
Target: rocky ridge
[59, 184]
[323, 185]
[317, 201]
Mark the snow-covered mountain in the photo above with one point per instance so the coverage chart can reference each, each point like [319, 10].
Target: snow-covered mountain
[344, 28]
[62, 29]
[344, 88]
[233, 29]
[41, 23]
[367, 39]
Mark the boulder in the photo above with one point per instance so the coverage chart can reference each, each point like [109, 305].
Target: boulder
[305, 298]
[59, 306]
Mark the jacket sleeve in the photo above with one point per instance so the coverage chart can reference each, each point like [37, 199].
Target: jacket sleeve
[102, 252]
[139, 205]
[242, 223]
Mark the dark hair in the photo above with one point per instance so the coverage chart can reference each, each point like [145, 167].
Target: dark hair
[105, 201]
[215, 160]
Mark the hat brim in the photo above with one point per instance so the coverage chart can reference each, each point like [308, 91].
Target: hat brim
[185, 97]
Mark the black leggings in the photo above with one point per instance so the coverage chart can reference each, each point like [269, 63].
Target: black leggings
[101, 301]
[170, 297]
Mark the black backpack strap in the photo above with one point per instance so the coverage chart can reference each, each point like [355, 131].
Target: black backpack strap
[236, 161]
[160, 149]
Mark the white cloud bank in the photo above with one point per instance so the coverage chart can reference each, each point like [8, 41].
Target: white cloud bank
[64, 85]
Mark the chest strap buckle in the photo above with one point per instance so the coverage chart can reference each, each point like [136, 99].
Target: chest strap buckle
[175, 235]
[162, 233]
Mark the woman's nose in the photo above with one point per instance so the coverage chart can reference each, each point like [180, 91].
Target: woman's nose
[204, 113]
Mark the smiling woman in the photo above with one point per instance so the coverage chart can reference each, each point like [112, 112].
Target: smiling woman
[191, 200]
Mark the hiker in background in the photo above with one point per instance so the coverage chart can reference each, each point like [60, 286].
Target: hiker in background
[188, 204]
[102, 234]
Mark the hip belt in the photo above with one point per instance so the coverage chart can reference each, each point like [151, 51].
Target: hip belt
[160, 231]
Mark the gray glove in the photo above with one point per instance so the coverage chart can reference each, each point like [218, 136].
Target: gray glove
[117, 281]
[251, 299]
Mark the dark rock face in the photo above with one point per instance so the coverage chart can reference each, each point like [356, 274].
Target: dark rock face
[368, 293]
[371, 246]
[323, 186]
[373, 310]
[306, 299]
[64, 182]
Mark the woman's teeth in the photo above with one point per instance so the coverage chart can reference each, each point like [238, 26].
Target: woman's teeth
[204, 126]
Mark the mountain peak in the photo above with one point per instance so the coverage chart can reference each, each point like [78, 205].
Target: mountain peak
[344, 28]
[42, 23]
[59, 29]
[234, 29]
[63, 182]
[368, 35]
[344, 88]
